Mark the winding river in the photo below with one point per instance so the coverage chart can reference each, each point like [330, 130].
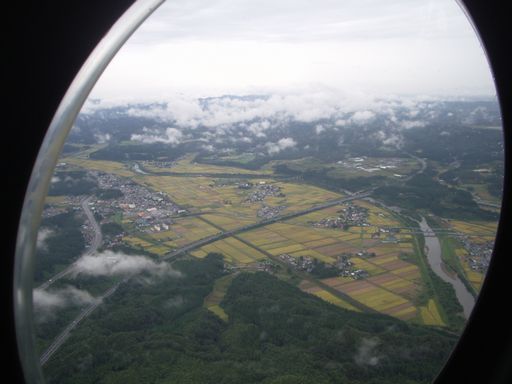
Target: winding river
[433, 252]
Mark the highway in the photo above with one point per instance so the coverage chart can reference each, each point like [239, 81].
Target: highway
[96, 242]
[62, 337]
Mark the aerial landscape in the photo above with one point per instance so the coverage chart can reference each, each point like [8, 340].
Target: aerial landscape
[197, 253]
[273, 192]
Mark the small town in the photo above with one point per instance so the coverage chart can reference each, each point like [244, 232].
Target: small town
[262, 191]
[343, 264]
[479, 255]
[268, 212]
[350, 215]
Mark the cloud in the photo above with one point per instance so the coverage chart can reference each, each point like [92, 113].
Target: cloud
[42, 236]
[362, 117]
[319, 128]
[47, 303]
[282, 144]
[110, 263]
[365, 354]
[171, 136]
[408, 124]
[258, 129]
[102, 138]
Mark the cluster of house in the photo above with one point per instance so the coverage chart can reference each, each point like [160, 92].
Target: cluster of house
[479, 255]
[161, 164]
[263, 190]
[349, 215]
[362, 164]
[387, 235]
[300, 263]
[268, 212]
[149, 211]
[344, 266]
[264, 265]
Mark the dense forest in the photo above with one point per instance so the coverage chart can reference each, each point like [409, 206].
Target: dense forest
[64, 243]
[156, 330]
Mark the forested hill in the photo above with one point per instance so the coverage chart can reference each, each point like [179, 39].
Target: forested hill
[157, 331]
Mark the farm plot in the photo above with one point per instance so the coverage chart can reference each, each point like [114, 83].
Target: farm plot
[380, 299]
[187, 165]
[212, 301]
[234, 251]
[113, 167]
[186, 230]
[138, 243]
[430, 314]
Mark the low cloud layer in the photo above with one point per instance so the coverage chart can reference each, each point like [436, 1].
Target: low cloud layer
[111, 263]
[149, 136]
[366, 353]
[42, 236]
[47, 303]
[282, 144]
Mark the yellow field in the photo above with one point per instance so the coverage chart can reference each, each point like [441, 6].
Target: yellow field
[212, 301]
[364, 264]
[234, 251]
[186, 230]
[139, 243]
[479, 231]
[101, 165]
[330, 298]
[186, 165]
[430, 314]
[227, 222]
[378, 298]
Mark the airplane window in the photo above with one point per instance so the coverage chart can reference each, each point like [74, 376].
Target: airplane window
[273, 192]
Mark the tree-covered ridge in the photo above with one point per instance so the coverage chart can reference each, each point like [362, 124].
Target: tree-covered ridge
[156, 331]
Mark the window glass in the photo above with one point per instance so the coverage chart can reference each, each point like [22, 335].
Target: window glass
[273, 192]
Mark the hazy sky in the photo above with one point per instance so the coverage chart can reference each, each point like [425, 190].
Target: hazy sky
[382, 47]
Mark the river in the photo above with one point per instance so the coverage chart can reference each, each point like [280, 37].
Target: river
[433, 252]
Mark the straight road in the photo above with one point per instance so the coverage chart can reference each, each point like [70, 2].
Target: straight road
[95, 244]
[62, 337]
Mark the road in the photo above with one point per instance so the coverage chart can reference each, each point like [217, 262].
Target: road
[62, 337]
[96, 242]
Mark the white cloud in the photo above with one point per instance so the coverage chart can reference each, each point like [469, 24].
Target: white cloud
[102, 138]
[408, 124]
[47, 303]
[111, 263]
[366, 352]
[319, 128]
[171, 136]
[282, 144]
[362, 117]
[42, 236]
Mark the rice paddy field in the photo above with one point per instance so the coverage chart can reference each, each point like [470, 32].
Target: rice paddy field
[229, 205]
[113, 167]
[235, 252]
[393, 284]
[149, 246]
[184, 231]
[187, 165]
[212, 301]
